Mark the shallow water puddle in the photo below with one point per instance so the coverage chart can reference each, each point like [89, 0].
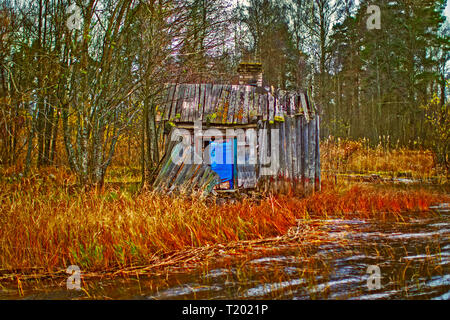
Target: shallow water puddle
[413, 258]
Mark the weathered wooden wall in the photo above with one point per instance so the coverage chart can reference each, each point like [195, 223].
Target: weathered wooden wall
[184, 178]
[291, 113]
[298, 155]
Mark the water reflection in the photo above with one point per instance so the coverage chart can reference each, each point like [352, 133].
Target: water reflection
[413, 256]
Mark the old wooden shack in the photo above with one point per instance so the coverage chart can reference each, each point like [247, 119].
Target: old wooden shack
[269, 142]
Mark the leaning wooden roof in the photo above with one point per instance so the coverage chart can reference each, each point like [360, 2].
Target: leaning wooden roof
[231, 104]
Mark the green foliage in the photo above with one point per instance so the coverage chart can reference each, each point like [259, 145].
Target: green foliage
[383, 76]
[438, 120]
[88, 255]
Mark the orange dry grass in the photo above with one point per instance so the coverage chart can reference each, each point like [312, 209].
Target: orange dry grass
[346, 156]
[49, 227]
[416, 163]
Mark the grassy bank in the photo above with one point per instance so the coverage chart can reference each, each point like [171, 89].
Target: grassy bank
[340, 156]
[50, 227]
[46, 223]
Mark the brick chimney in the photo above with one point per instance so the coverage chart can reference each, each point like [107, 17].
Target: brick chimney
[250, 73]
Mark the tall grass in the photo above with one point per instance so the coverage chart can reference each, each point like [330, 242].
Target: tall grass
[347, 156]
[46, 224]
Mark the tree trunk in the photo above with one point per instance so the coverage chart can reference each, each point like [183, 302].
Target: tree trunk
[30, 142]
[54, 139]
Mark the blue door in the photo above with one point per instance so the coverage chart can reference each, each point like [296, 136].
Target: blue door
[223, 151]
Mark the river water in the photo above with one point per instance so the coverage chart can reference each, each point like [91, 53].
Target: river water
[413, 259]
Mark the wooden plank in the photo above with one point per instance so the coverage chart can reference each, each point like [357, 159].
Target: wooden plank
[178, 178]
[184, 169]
[298, 136]
[271, 108]
[167, 165]
[201, 104]
[202, 177]
[286, 105]
[304, 106]
[253, 105]
[276, 111]
[173, 107]
[246, 106]
[227, 104]
[257, 104]
[262, 150]
[288, 132]
[221, 110]
[282, 151]
[239, 117]
[311, 153]
[208, 96]
[193, 102]
[167, 101]
[294, 150]
[246, 172]
[195, 98]
[318, 178]
[205, 178]
[279, 113]
[292, 110]
[278, 149]
[240, 166]
[286, 150]
[233, 104]
[198, 102]
[264, 142]
[308, 105]
[298, 106]
[208, 100]
[186, 181]
[198, 175]
[211, 182]
[187, 185]
[187, 103]
[310, 102]
[264, 104]
[215, 105]
[305, 147]
[171, 176]
[280, 107]
[215, 93]
[179, 169]
[179, 102]
[239, 112]
[184, 178]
